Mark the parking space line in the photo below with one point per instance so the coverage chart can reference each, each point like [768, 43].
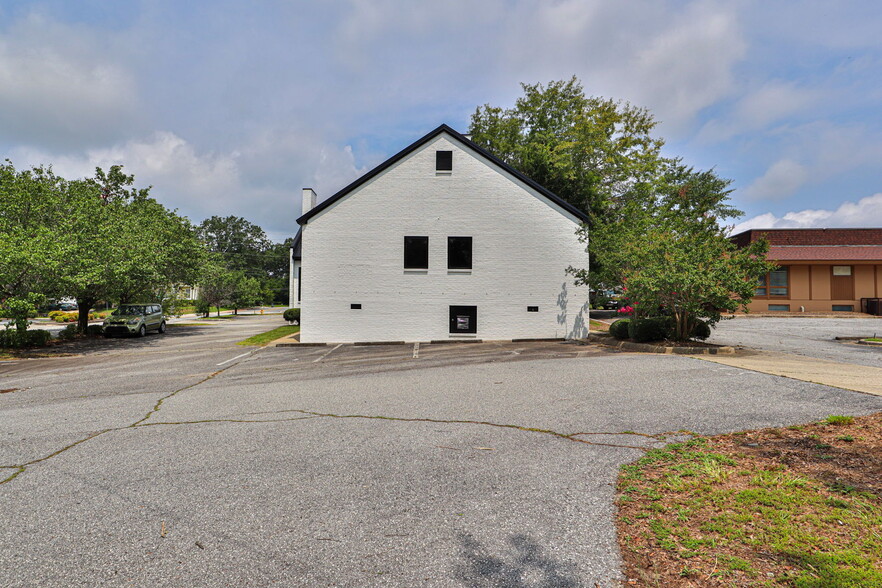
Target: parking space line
[327, 353]
[237, 357]
[416, 350]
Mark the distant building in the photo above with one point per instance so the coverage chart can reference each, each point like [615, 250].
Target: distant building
[441, 242]
[819, 270]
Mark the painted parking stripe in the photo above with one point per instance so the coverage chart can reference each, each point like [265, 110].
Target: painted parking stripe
[237, 357]
[416, 350]
[324, 355]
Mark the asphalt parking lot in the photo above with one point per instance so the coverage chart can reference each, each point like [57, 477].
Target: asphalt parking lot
[187, 460]
[810, 337]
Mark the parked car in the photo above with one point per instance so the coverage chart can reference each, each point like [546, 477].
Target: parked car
[134, 319]
[68, 306]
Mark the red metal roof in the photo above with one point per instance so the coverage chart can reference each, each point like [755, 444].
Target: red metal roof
[826, 253]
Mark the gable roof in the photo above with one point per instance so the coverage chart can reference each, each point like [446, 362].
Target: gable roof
[419, 143]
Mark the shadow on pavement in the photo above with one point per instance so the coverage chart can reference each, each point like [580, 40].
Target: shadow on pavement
[523, 565]
[88, 345]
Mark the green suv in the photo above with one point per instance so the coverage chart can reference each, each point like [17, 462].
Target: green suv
[134, 319]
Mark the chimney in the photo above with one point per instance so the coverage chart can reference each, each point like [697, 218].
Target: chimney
[308, 200]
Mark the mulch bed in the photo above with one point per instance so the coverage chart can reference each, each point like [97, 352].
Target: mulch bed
[835, 466]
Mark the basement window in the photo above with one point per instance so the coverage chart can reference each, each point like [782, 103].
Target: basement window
[779, 307]
[444, 161]
[355, 306]
[416, 253]
[459, 253]
[843, 307]
[532, 309]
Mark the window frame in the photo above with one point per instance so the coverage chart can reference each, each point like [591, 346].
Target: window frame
[767, 285]
[444, 160]
[471, 257]
[424, 239]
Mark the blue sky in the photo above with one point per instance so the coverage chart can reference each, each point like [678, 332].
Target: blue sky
[232, 107]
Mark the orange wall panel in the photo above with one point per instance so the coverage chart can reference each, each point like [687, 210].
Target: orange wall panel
[863, 282]
[820, 282]
[799, 281]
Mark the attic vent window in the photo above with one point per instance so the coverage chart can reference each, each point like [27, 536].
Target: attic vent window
[444, 161]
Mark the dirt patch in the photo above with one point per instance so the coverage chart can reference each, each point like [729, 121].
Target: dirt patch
[800, 506]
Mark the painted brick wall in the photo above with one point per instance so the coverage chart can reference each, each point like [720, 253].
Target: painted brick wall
[522, 245]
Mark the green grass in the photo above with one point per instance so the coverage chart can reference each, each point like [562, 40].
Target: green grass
[269, 336]
[874, 339]
[835, 419]
[772, 511]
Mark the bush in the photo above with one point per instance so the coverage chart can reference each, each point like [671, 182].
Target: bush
[11, 338]
[68, 332]
[619, 329]
[94, 330]
[701, 330]
[55, 313]
[649, 329]
[291, 315]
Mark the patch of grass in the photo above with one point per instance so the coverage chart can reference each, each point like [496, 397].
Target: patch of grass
[265, 338]
[746, 518]
[846, 438]
[874, 339]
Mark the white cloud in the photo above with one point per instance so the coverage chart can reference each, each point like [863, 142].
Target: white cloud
[866, 212]
[781, 180]
[774, 101]
[58, 87]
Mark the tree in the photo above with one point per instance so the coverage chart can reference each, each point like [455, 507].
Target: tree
[120, 243]
[592, 152]
[671, 253]
[29, 202]
[246, 292]
[217, 283]
[241, 244]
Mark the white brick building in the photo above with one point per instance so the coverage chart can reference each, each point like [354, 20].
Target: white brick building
[442, 241]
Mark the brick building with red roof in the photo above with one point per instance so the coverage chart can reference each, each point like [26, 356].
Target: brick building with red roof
[819, 270]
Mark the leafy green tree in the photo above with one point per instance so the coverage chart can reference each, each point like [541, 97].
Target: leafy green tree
[118, 243]
[241, 244]
[217, 284]
[672, 254]
[592, 152]
[246, 293]
[29, 245]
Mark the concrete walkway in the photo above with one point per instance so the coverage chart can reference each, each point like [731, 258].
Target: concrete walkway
[860, 378]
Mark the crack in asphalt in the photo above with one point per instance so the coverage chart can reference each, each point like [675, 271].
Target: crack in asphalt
[140, 423]
[22, 467]
[568, 436]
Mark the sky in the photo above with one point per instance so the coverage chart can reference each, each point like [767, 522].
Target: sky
[230, 108]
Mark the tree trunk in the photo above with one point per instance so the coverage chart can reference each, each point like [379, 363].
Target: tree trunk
[218, 310]
[84, 306]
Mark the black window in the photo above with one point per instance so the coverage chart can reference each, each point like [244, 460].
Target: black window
[355, 306]
[532, 309]
[444, 160]
[416, 253]
[459, 253]
[463, 319]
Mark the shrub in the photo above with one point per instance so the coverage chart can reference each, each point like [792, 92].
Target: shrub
[55, 313]
[701, 330]
[94, 330]
[291, 315]
[68, 332]
[619, 329]
[11, 338]
[649, 329]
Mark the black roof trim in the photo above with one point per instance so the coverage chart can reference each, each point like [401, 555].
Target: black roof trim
[295, 246]
[419, 143]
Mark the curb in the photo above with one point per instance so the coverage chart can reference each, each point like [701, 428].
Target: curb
[862, 342]
[608, 341]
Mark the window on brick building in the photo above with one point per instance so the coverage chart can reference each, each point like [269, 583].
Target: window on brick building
[775, 283]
